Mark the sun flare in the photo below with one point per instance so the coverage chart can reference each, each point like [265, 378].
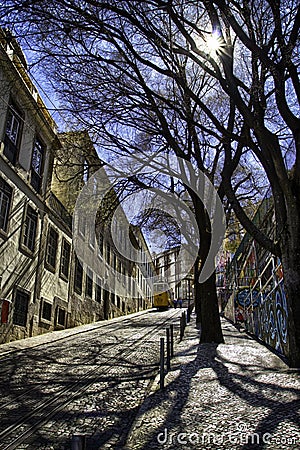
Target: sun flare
[213, 43]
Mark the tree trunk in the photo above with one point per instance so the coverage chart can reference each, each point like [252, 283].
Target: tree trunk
[207, 308]
[211, 330]
[290, 248]
[206, 299]
[197, 292]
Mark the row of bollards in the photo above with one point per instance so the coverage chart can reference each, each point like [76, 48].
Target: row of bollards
[79, 441]
[169, 349]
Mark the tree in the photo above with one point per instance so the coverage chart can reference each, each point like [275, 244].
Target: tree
[130, 67]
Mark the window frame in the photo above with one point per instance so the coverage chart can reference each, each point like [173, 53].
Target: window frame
[36, 177]
[18, 322]
[51, 265]
[46, 304]
[62, 274]
[81, 226]
[98, 290]
[29, 213]
[12, 146]
[78, 271]
[92, 237]
[89, 281]
[100, 242]
[4, 186]
[108, 253]
[60, 310]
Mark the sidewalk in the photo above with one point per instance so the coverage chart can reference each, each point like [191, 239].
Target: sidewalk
[58, 335]
[236, 395]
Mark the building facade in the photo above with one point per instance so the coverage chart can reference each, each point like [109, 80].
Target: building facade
[28, 141]
[169, 270]
[43, 284]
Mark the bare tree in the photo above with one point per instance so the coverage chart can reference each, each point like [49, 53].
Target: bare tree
[207, 81]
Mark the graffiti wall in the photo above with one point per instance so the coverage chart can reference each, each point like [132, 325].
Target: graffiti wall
[255, 287]
[264, 314]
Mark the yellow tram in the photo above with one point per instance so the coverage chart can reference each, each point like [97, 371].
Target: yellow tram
[162, 298]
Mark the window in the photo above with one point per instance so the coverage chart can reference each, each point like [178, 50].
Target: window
[89, 283]
[98, 293]
[37, 165]
[5, 202]
[167, 262]
[65, 258]
[51, 248]
[105, 304]
[12, 133]
[92, 237]
[47, 311]
[20, 308]
[60, 316]
[81, 225]
[108, 253]
[30, 229]
[100, 245]
[85, 171]
[78, 276]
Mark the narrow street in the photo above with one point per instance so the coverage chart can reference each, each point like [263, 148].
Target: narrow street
[88, 381]
[99, 384]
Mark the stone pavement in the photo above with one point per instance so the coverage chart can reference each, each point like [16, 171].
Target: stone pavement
[236, 395]
[59, 335]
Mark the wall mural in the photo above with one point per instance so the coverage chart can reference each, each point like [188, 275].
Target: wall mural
[265, 315]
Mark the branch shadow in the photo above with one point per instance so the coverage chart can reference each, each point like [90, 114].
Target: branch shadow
[164, 413]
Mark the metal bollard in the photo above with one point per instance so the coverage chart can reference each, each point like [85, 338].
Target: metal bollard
[181, 328]
[172, 339]
[162, 364]
[182, 325]
[168, 350]
[189, 310]
[78, 442]
[188, 316]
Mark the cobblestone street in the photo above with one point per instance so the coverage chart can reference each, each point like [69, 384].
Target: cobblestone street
[149, 225]
[97, 381]
[236, 395]
[89, 381]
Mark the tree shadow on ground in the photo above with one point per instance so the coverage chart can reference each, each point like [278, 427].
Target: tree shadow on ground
[244, 383]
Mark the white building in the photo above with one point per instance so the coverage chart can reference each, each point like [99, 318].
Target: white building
[43, 284]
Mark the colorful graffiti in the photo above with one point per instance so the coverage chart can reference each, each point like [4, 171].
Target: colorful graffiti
[272, 319]
[264, 314]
